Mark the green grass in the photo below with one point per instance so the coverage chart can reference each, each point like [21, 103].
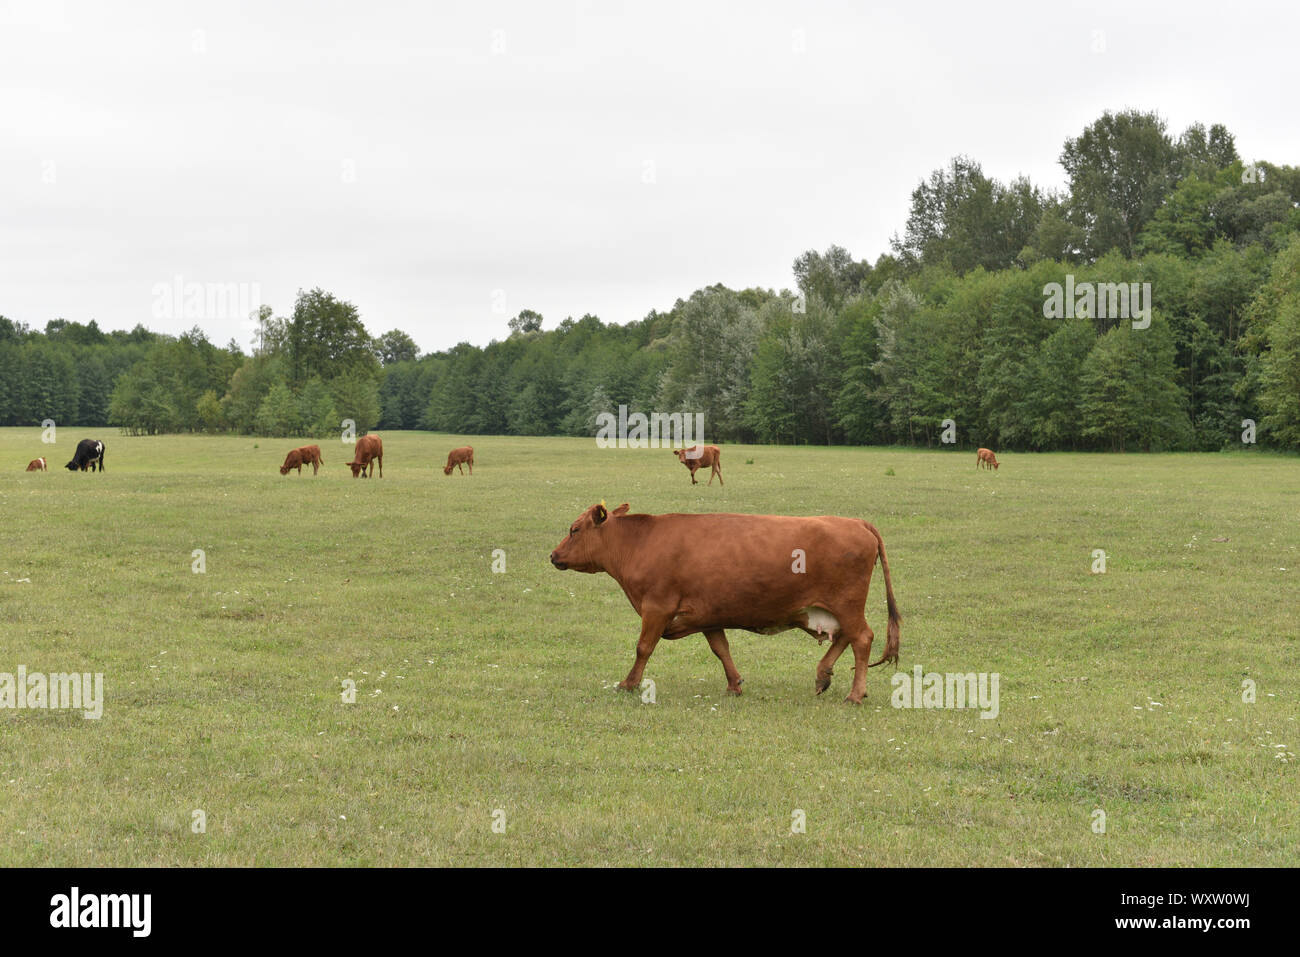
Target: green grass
[479, 691]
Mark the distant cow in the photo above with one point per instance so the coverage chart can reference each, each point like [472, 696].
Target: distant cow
[37, 465]
[987, 459]
[460, 458]
[306, 455]
[701, 457]
[90, 453]
[702, 573]
[368, 450]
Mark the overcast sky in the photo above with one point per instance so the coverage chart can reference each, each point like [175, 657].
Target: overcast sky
[444, 168]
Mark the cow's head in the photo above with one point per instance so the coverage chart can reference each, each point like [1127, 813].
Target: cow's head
[583, 549]
[996, 463]
[72, 466]
[357, 469]
[284, 469]
[446, 469]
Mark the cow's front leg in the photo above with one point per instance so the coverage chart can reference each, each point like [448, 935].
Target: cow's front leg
[718, 642]
[652, 629]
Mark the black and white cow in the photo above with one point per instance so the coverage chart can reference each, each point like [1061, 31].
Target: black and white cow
[89, 452]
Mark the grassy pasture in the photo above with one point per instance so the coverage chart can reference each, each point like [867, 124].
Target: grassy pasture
[479, 691]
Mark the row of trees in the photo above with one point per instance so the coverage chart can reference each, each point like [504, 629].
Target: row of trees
[950, 325]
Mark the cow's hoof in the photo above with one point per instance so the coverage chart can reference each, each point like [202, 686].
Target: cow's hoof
[735, 689]
[624, 686]
[852, 700]
[821, 684]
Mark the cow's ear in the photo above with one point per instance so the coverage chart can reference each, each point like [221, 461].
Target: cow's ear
[621, 510]
[598, 513]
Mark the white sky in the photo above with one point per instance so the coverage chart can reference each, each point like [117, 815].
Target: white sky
[388, 153]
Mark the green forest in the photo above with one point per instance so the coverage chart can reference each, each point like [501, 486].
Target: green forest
[949, 324]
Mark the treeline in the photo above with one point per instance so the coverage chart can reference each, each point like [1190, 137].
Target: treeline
[949, 325]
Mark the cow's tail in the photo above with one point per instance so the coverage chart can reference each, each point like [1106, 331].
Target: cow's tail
[895, 619]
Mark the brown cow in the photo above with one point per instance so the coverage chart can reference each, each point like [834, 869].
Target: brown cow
[986, 458]
[459, 458]
[701, 457]
[37, 465]
[763, 573]
[368, 449]
[305, 455]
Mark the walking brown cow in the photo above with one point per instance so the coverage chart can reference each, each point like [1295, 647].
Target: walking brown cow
[986, 458]
[460, 457]
[701, 457]
[368, 450]
[762, 573]
[306, 455]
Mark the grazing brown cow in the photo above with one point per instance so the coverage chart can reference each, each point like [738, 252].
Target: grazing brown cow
[368, 450]
[460, 457]
[305, 455]
[701, 457]
[763, 573]
[986, 458]
[37, 465]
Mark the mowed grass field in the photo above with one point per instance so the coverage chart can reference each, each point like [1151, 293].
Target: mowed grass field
[487, 696]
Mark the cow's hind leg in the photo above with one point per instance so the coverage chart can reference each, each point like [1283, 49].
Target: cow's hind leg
[860, 638]
[718, 642]
[825, 667]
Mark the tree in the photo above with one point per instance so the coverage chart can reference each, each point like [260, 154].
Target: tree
[356, 397]
[316, 409]
[832, 276]
[326, 338]
[1121, 167]
[396, 346]
[278, 414]
[965, 219]
[1129, 397]
[713, 342]
[1275, 316]
[527, 321]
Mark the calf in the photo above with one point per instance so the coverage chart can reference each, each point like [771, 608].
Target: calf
[701, 457]
[90, 453]
[686, 574]
[368, 450]
[37, 465]
[460, 458]
[986, 458]
[306, 455]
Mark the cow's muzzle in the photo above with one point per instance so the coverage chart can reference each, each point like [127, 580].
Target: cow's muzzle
[557, 563]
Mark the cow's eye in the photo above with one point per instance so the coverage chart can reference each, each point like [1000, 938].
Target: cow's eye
[574, 530]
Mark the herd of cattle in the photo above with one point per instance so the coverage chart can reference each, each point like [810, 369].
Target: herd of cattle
[690, 574]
